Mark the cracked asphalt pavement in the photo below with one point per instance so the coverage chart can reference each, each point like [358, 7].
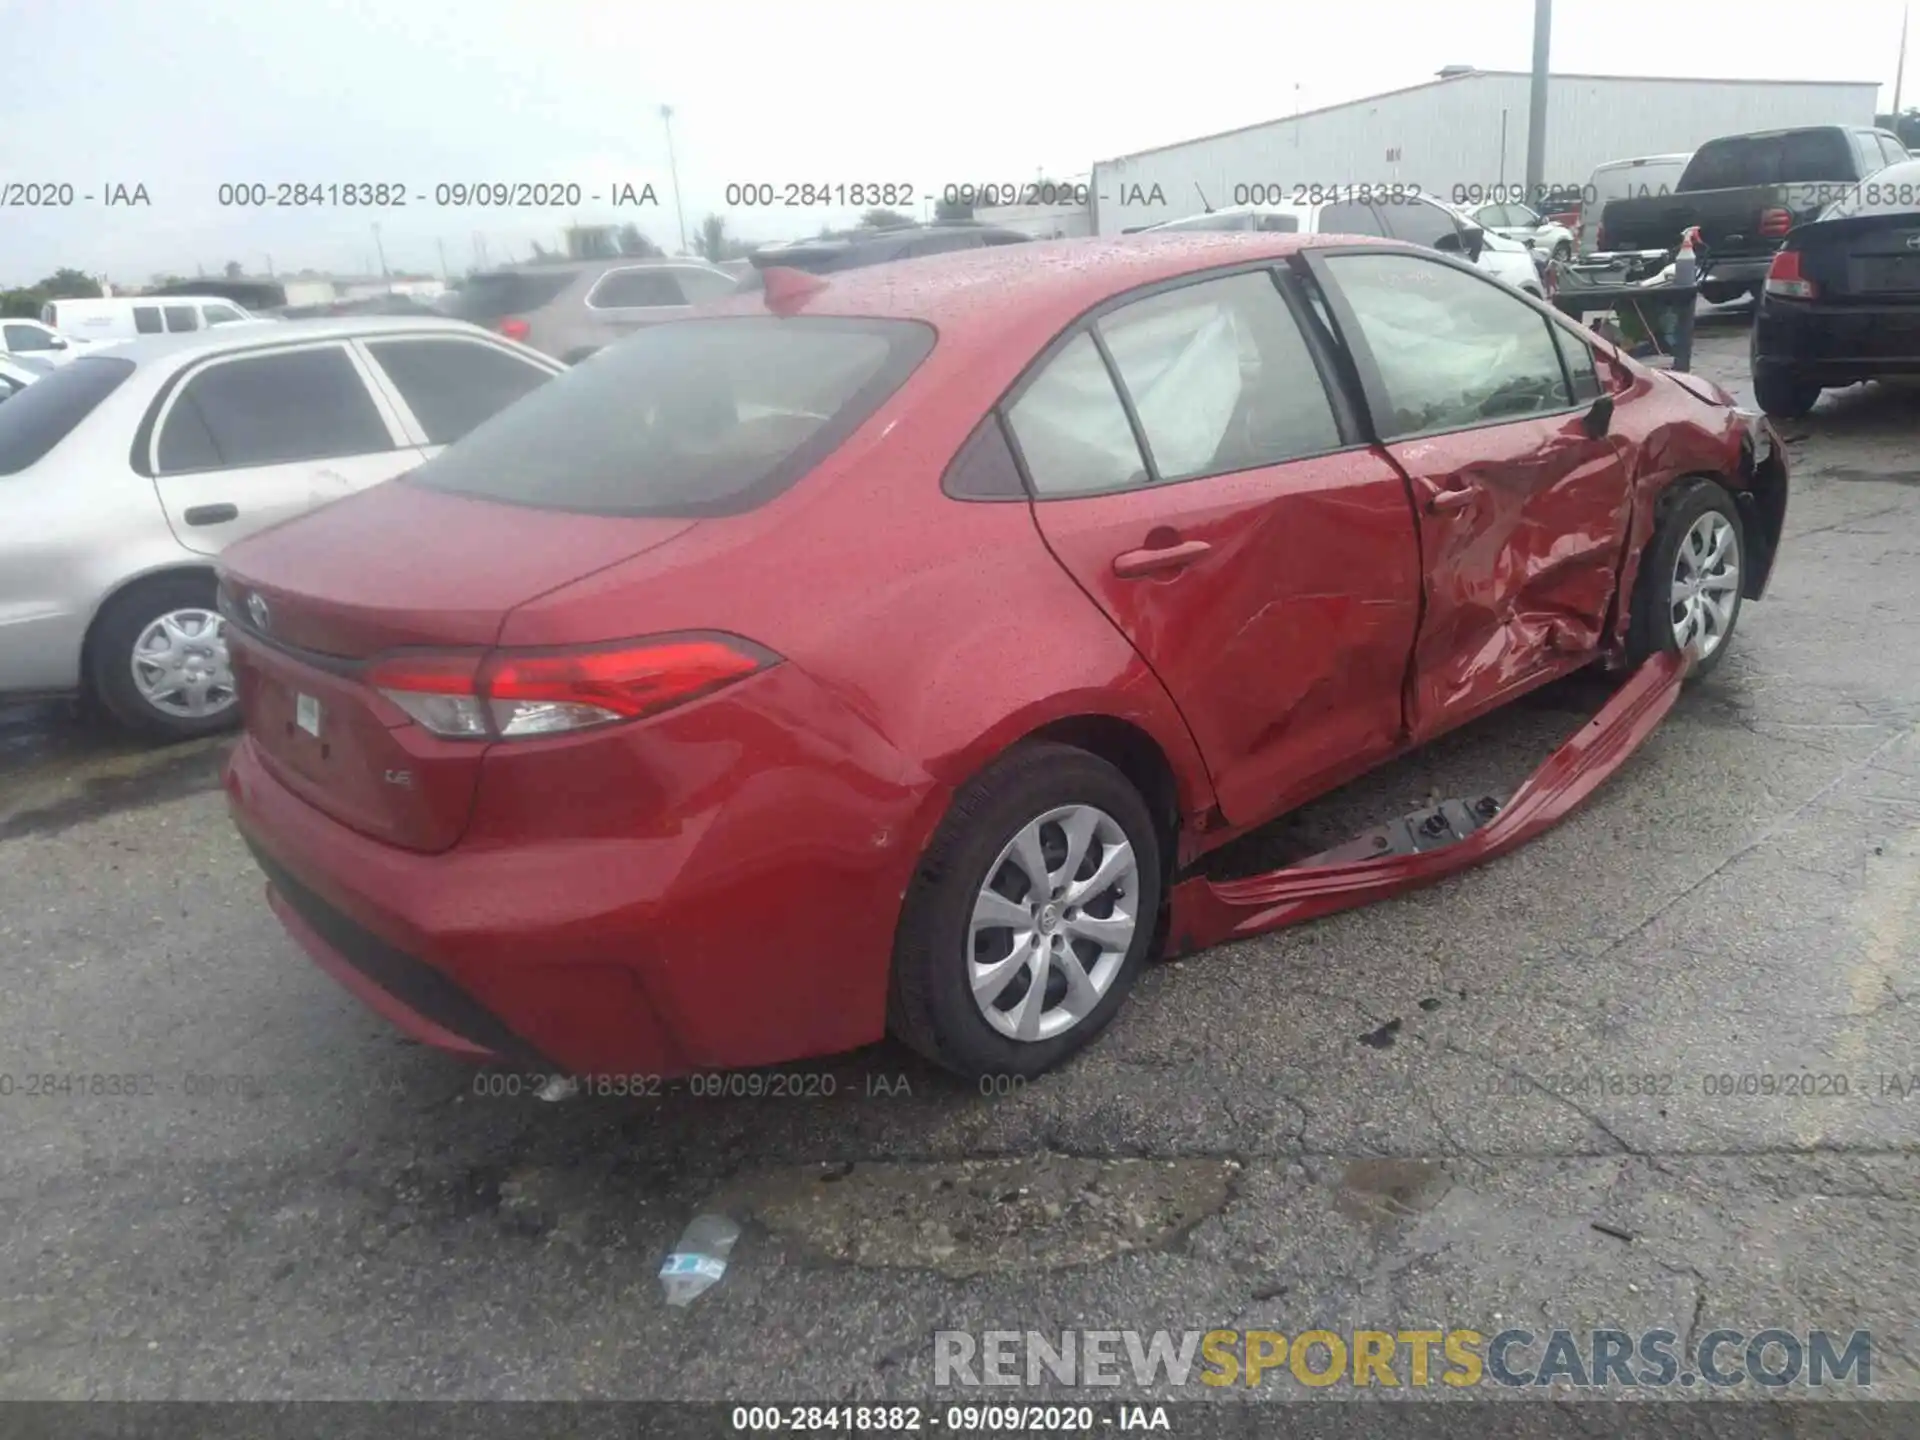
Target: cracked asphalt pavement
[1486, 1103]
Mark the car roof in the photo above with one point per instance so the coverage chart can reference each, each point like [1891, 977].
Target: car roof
[576, 268]
[1017, 289]
[149, 300]
[263, 333]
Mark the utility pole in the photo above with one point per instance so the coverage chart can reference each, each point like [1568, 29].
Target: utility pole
[441, 246]
[270, 267]
[381, 250]
[1900, 67]
[673, 168]
[1537, 117]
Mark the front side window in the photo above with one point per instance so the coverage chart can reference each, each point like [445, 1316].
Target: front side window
[1578, 357]
[453, 385]
[146, 319]
[26, 337]
[1453, 350]
[272, 409]
[1072, 428]
[635, 289]
[221, 314]
[1220, 377]
[1419, 223]
[1350, 220]
[181, 317]
[700, 286]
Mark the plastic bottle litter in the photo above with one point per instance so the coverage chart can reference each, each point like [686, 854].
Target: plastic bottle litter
[1686, 269]
[699, 1260]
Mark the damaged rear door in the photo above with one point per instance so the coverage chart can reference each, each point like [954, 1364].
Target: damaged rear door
[1520, 495]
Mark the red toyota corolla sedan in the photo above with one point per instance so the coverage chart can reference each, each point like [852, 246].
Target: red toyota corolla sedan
[878, 651]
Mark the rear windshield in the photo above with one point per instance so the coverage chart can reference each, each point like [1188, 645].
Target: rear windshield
[43, 414]
[1770, 160]
[494, 297]
[690, 418]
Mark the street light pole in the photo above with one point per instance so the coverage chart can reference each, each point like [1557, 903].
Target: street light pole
[1900, 67]
[1537, 116]
[673, 168]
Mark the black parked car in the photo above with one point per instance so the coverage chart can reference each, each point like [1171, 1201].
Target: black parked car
[1744, 193]
[1841, 302]
[852, 249]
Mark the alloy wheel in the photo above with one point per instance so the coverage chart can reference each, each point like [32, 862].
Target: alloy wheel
[1053, 922]
[1706, 583]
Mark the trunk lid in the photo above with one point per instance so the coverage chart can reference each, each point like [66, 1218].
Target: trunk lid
[1866, 259]
[309, 602]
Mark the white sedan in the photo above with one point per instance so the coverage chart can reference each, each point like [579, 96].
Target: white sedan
[1528, 226]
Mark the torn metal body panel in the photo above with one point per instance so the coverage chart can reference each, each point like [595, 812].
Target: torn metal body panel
[1437, 843]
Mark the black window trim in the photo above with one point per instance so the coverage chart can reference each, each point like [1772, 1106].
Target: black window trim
[145, 455]
[1346, 415]
[389, 388]
[949, 478]
[1373, 385]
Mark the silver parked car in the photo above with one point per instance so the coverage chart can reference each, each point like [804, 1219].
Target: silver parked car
[124, 473]
[569, 309]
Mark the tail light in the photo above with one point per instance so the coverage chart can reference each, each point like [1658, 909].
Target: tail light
[1784, 277]
[514, 329]
[510, 694]
[1775, 222]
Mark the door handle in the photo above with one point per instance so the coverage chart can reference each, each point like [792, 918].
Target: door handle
[1131, 563]
[211, 514]
[1448, 500]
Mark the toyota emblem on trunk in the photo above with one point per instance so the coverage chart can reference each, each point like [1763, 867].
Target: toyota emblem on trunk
[257, 612]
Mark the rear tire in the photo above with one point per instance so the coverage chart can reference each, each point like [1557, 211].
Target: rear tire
[182, 662]
[1784, 395]
[1688, 556]
[956, 956]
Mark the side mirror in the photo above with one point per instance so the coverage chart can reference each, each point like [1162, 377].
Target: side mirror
[1473, 240]
[56, 342]
[1597, 421]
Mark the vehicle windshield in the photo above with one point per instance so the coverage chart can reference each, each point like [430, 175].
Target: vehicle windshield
[47, 411]
[695, 417]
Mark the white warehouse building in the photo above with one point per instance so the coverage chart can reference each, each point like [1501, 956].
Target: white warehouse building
[1467, 129]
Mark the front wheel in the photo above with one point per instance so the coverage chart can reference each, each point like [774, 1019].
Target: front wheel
[1029, 917]
[157, 660]
[1688, 591]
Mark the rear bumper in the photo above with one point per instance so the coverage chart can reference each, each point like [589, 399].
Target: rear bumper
[1737, 270]
[1837, 344]
[754, 927]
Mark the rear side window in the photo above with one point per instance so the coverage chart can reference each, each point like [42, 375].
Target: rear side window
[1072, 427]
[625, 289]
[146, 319]
[453, 385]
[182, 317]
[1796, 155]
[1220, 377]
[486, 298]
[271, 410]
[700, 286]
[691, 418]
[46, 412]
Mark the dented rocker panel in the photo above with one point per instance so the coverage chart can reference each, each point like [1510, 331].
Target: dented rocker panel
[1208, 912]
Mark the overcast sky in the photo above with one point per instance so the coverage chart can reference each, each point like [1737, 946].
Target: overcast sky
[183, 95]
